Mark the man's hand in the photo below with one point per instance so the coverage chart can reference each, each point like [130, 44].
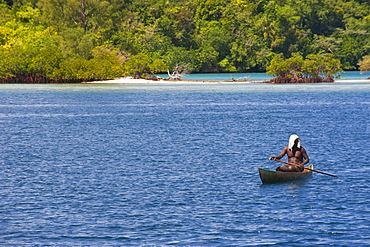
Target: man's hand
[272, 158]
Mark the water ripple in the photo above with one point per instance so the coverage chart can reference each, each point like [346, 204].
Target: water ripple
[132, 165]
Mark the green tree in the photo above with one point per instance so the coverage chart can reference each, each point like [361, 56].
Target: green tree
[181, 56]
[314, 65]
[91, 15]
[78, 68]
[7, 61]
[364, 63]
[157, 66]
[214, 41]
[291, 67]
[107, 62]
[177, 23]
[206, 36]
[29, 61]
[138, 65]
[77, 43]
[28, 49]
[325, 64]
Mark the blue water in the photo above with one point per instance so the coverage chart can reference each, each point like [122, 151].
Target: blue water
[158, 165]
[348, 75]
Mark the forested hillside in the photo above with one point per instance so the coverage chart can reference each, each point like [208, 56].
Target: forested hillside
[97, 39]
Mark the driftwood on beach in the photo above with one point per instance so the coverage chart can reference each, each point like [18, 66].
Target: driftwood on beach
[178, 72]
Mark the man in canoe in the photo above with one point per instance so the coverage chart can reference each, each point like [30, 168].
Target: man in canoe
[296, 154]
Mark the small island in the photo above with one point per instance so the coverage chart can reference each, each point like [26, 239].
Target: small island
[44, 41]
[312, 69]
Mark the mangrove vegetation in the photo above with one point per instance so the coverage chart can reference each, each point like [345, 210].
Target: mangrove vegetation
[82, 40]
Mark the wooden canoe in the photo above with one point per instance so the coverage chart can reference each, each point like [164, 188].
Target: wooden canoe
[269, 177]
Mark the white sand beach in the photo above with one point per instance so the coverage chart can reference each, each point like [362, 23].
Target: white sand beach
[128, 80]
[144, 81]
[349, 80]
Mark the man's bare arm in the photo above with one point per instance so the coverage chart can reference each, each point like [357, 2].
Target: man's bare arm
[305, 156]
[281, 155]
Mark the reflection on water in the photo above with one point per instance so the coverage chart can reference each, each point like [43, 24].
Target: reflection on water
[289, 185]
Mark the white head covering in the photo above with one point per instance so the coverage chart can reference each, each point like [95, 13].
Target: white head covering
[292, 138]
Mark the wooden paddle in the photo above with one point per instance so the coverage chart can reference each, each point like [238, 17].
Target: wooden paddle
[306, 168]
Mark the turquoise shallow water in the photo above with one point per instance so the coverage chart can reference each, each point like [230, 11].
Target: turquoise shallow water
[156, 165]
[348, 75]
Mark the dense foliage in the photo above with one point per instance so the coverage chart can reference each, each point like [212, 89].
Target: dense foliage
[296, 69]
[365, 63]
[103, 39]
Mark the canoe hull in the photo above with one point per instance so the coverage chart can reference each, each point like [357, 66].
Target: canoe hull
[269, 177]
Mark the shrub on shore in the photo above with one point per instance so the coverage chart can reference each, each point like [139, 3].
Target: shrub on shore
[312, 69]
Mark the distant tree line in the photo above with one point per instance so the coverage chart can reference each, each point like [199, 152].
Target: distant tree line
[43, 40]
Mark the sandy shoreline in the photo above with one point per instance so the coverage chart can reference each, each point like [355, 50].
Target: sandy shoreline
[144, 81]
[348, 80]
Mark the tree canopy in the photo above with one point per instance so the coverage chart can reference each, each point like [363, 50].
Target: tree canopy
[103, 39]
[314, 68]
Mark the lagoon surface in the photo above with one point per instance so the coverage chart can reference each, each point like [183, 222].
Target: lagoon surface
[158, 165]
[348, 75]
